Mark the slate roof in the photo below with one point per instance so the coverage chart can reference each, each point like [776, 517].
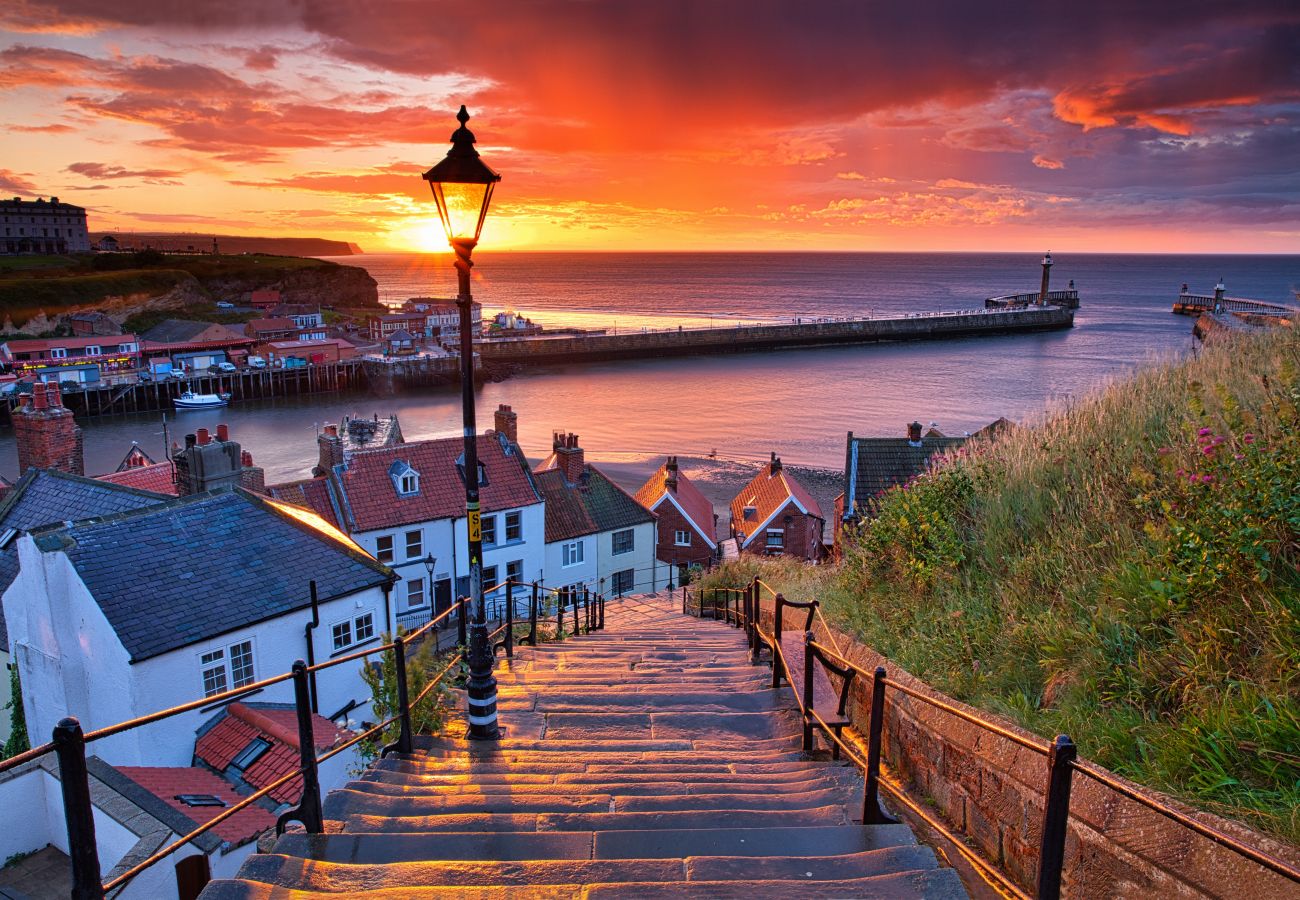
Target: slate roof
[226, 735]
[697, 508]
[310, 493]
[769, 492]
[202, 566]
[593, 505]
[368, 497]
[181, 331]
[874, 465]
[166, 782]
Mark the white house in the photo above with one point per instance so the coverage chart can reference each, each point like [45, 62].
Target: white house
[597, 535]
[405, 504]
[113, 618]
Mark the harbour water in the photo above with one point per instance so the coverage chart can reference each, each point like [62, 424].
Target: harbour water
[799, 403]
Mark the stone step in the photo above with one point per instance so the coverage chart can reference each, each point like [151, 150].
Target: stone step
[390, 818]
[936, 884]
[600, 725]
[689, 782]
[296, 873]
[654, 701]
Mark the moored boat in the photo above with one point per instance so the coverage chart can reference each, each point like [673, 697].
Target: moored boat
[191, 400]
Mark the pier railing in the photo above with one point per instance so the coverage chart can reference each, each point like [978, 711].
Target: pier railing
[747, 607]
[1210, 303]
[1028, 297]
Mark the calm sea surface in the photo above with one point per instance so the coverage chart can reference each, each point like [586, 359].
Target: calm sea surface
[798, 402]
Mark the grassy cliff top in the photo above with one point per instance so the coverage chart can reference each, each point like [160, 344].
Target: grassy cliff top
[1127, 573]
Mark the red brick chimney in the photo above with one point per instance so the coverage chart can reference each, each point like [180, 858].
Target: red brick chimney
[251, 477]
[507, 423]
[330, 447]
[47, 433]
[914, 433]
[774, 467]
[569, 457]
[670, 478]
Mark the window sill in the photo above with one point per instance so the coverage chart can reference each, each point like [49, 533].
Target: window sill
[352, 648]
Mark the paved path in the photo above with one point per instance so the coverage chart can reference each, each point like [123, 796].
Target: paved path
[650, 760]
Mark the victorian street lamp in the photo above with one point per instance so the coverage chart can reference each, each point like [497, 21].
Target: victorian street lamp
[462, 187]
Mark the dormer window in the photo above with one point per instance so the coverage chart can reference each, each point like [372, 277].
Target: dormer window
[405, 479]
[482, 470]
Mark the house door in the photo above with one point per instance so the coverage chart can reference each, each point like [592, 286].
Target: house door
[441, 595]
[192, 875]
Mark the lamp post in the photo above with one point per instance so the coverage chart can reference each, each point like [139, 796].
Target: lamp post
[462, 187]
[429, 562]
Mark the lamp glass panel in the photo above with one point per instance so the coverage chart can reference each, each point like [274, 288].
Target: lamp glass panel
[461, 207]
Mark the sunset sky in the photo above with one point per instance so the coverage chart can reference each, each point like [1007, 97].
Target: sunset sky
[669, 124]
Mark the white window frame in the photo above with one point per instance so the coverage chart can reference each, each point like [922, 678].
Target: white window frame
[419, 544]
[353, 630]
[488, 531]
[631, 542]
[409, 484]
[681, 537]
[93, 350]
[571, 554]
[380, 551]
[422, 593]
[221, 660]
[779, 543]
[613, 581]
[58, 352]
[518, 526]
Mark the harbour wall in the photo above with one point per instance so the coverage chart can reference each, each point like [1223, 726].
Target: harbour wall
[741, 338]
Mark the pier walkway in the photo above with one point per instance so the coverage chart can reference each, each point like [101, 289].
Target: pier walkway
[649, 760]
[1195, 304]
[544, 350]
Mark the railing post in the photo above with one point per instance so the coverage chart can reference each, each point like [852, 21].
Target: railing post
[532, 617]
[308, 810]
[1056, 817]
[403, 742]
[559, 611]
[462, 637]
[776, 642]
[807, 692]
[70, 748]
[510, 620]
[872, 814]
[602, 611]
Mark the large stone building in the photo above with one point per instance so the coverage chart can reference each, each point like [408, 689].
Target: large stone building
[42, 226]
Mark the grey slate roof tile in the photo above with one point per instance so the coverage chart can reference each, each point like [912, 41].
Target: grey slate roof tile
[198, 567]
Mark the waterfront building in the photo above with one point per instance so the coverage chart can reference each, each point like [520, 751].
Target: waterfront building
[597, 535]
[84, 360]
[264, 300]
[442, 318]
[381, 328]
[277, 328]
[302, 314]
[89, 324]
[192, 345]
[316, 351]
[688, 526]
[775, 515]
[40, 226]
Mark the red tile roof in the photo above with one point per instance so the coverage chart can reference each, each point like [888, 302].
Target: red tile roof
[158, 478]
[241, 723]
[768, 493]
[370, 499]
[167, 783]
[310, 493]
[696, 507]
[277, 324]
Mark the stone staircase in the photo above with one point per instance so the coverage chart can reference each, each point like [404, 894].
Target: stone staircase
[649, 760]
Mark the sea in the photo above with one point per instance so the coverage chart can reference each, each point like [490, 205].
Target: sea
[799, 404]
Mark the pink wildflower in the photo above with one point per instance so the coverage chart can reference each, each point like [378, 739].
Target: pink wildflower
[1180, 473]
[1249, 438]
[1163, 451]
[1206, 479]
[1208, 450]
[1203, 432]
[1238, 456]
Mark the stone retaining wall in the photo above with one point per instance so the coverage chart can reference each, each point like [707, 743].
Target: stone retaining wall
[992, 790]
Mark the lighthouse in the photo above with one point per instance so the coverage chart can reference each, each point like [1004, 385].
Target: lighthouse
[1047, 276]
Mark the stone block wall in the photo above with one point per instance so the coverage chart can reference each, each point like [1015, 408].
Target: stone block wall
[992, 790]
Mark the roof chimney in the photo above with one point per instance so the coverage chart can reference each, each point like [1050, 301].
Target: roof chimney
[670, 479]
[507, 423]
[914, 434]
[47, 433]
[223, 432]
[329, 450]
[774, 467]
[569, 457]
[205, 464]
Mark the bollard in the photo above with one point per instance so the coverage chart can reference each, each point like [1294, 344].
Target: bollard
[308, 810]
[70, 748]
[403, 742]
[1056, 817]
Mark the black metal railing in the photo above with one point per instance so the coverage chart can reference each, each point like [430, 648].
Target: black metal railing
[743, 607]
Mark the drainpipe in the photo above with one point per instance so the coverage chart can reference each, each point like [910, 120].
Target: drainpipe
[311, 648]
[387, 588]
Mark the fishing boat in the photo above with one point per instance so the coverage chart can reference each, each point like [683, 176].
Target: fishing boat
[191, 400]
